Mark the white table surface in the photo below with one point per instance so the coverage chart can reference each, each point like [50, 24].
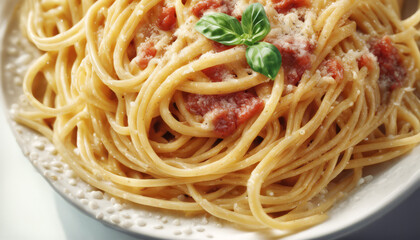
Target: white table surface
[31, 209]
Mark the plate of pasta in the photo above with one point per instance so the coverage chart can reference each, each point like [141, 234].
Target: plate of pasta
[201, 119]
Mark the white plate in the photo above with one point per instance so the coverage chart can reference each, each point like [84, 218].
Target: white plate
[391, 182]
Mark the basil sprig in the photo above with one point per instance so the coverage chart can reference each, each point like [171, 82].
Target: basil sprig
[255, 24]
[262, 57]
[221, 28]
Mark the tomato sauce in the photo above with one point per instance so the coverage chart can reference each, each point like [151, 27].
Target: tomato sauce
[296, 57]
[334, 68]
[227, 111]
[204, 5]
[284, 6]
[216, 73]
[147, 53]
[224, 121]
[392, 70]
[365, 61]
[224, 6]
[167, 18]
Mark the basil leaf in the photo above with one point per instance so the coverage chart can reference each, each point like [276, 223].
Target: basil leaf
[255, 24]
[264, 58]
[221, 28]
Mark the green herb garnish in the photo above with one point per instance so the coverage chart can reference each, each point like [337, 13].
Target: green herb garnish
[262, 57]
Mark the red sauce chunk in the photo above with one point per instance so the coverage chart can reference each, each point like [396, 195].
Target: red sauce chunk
[227, 111]
[147, 53]
[216, 73]
[283, 6]
[365, 61]
[224, 121]
[223, 6]
[334, 68]
[204, 5]
[296, 57]
[392, 70]
[167, 18]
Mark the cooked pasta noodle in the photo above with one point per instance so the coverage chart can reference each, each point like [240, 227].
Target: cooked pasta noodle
[145, 108]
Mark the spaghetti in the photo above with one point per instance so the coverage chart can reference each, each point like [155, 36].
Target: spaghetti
[143, 107]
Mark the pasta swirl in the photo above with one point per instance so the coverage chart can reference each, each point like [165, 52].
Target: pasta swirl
[145, 108]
